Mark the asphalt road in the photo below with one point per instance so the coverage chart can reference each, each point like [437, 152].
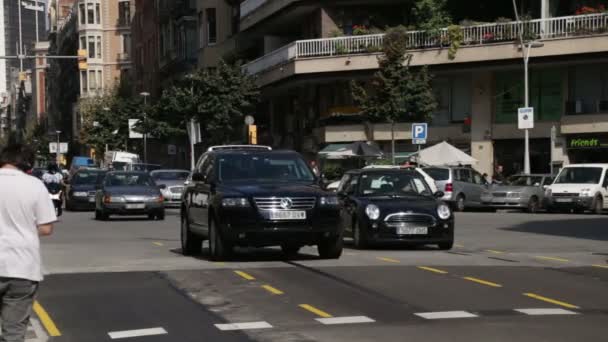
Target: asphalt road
[511, 277]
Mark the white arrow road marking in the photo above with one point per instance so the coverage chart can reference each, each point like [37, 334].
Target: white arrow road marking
[136, 333]
[445, 314]
[243, 326]
[345, 320]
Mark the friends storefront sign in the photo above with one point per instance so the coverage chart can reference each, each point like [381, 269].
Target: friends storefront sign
[588, 142]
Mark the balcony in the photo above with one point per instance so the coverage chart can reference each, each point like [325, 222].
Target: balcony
[480, 43]
[249, 6]
[124, 57]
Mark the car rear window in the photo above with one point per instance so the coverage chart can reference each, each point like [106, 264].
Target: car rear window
[438, 174]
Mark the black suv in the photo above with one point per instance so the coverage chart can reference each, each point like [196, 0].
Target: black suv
[253, 196]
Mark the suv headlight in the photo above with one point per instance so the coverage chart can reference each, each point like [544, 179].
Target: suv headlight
[444, 212]
[586, 192]
[236, 202]
[329, 200]
[115, 199]
[372, 211]
[514, 194]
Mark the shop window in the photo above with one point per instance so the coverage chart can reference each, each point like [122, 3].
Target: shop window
[588, 89]
[453, 97]
[442, 91]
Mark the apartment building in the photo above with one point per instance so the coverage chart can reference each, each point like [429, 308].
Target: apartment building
[305, 53]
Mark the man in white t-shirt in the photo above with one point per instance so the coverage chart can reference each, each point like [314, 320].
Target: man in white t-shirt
[26, 212]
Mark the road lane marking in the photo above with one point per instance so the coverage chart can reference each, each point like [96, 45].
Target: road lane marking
[350, 254]
[494, 251]
[395, 261]
[272, 290]
[430, 269]
[445, 315]
[552, 301]
[551, 258]
[159, 244]
[315, 311]
[542, 312]
[459, 246]
[600, 266]
[115, 335]
[244, 326]
[244, 275]
[345, 320]
[219, 263]
[46, 320]
[481, 281]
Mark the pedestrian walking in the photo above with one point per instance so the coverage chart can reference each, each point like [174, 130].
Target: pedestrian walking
[26, 212]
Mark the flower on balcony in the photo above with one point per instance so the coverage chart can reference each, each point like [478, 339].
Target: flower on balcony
[360, 30]
[590, 10]
[488, 37]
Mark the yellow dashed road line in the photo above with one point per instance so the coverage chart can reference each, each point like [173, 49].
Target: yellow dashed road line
[244, 275]
[600, 266]
[315, 311]
[481, 281]
[551, 258]
[550, 300]
[430, 269]
[272, 290]
[159, 244]
[494, 251]
[395, 261]
[46, 320]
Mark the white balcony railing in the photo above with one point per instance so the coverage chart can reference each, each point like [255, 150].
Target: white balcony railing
[249, 6]
[544, 29]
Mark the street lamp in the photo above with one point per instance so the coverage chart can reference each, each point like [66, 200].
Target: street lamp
[145, 95]
[107, 111]
[525, 51]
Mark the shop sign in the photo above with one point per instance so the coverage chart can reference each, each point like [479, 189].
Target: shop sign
[588, 142]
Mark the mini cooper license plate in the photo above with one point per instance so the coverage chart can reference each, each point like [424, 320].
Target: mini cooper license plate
[135, 206]
[288, 215]
[563, 200]
[412, 230]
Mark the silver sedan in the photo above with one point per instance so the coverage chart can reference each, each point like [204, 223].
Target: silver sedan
[526, 192]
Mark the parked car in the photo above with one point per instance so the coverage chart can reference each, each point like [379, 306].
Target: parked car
[462, 186]
[393, 205]
[579, 188]
[171, 183]
[143, 167]
[129, 193]
[81, 189]
[526, 192]
[253, 196]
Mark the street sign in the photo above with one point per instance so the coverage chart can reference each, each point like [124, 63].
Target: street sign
[419, 133]
[132, 133]
[249, 120]
[525, 118]
[194, 132]
[63, 147]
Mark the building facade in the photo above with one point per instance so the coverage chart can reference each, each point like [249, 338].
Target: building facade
[305, 54]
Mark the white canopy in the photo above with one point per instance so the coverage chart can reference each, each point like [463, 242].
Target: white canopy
[444, 154]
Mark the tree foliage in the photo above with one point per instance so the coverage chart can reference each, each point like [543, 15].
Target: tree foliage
[431, 16]
[396, 92]
[36, 136]
[218, 99]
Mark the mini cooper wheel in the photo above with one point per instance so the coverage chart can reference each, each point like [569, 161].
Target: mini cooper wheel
[359, 237]
[191, 244]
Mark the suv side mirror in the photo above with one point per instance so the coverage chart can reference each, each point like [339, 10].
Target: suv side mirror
[198, 177]
[439, 194]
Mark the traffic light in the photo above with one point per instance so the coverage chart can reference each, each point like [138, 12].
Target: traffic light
[253, 134]
[82, 59]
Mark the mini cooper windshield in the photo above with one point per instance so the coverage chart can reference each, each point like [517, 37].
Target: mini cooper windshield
[263, 167]
[393, 184]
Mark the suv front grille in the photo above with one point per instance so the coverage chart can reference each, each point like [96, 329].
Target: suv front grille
[500, 194]
[274, 203]
[414, 220]
[565, 194]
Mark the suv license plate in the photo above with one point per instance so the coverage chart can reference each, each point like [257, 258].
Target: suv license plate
[412, 230]
[135, 206]
[91, 199]
[288, 215]
[563, 200]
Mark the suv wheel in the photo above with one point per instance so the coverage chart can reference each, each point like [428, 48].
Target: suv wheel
[446, 245]
[459, 205]
[598, 205]
[218, 248]
[533, 205]
[191, 244]
[359, 238]
[290, 250]
[331, 248]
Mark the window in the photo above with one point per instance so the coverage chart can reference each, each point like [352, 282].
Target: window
[345, 179]
[588, 89]
[84, 82]
[580, 175]
[92, 44]
[98, 51]
[90, 13]
[201, 35]
[97, 14]
[83, 14]
[548, 181]
[92, 80]
[124, 13]
[126, 43]
[83, 43]
[478, 179]
[605, 184]
[464, 175]
[211, 26]
[91, 40]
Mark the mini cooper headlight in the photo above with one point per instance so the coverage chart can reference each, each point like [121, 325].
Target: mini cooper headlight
[238, 202]
[372, 211]
[444, 211]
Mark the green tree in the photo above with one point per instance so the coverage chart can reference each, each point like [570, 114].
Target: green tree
[37, 137]
[431, 16]
[397, 93]
[218, 99]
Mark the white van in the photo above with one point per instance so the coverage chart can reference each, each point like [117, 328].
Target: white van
[579, 187]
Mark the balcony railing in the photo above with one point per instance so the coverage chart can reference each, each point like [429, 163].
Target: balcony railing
[249, 6]
[476, 35]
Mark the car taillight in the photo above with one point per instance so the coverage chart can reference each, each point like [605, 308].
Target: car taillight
[449, 187]
[107, 199]
[161, 199]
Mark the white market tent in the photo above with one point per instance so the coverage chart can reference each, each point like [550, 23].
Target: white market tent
[444, 154]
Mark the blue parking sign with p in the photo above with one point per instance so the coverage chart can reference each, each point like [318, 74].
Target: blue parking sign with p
[419, 133]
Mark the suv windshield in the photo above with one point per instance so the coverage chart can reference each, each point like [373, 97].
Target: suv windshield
[263, 167]
[170, 175]
[384, 184]
[125, 179]
[87, 178]
[438, 174]
[580, 175]
[525, 180]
